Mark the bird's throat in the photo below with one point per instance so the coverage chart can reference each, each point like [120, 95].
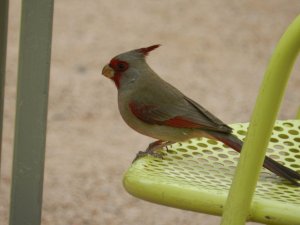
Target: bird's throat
[117, 78]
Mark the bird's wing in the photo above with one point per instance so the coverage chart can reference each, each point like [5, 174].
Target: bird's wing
[209, 116]
[175, 110]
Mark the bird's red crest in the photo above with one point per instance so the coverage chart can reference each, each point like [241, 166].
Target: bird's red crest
[145, 51]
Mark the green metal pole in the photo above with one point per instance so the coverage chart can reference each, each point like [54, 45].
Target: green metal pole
[3, 46]
[31, 112]
[265, 112]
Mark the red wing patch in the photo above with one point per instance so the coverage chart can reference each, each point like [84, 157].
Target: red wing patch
[144, 113]
[180, 122]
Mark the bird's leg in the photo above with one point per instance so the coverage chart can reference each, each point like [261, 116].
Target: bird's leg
[151, 150]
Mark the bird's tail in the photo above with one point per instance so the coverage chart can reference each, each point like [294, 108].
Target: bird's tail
[232, 141]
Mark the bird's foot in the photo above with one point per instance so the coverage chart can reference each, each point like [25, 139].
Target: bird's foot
[141, 154]
[153, 150]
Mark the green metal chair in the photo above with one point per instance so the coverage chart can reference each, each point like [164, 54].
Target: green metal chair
[201, 174]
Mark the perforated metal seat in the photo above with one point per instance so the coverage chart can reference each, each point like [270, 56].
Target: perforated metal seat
[196, 175]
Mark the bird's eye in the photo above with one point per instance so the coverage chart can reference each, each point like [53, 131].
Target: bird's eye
[118, 65]
[121, 66]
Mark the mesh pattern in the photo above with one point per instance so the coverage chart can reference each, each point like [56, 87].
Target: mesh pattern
[209, 164]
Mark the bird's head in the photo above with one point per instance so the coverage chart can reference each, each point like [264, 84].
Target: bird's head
[127, 64]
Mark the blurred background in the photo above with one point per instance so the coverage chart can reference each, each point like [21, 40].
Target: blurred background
[214, 51]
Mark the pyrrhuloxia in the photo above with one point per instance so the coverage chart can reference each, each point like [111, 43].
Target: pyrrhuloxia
[153, 107]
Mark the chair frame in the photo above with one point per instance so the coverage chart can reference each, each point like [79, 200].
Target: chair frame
[261, 126]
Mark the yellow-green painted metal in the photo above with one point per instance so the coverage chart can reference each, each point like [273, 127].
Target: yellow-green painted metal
[298, 114]
[196, 175]
[3, 46]
[262, 121]
[31, 112]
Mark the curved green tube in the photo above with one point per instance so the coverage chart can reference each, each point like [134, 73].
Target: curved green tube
[237, 207]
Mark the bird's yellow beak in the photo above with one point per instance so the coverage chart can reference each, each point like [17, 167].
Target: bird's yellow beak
[108, 71]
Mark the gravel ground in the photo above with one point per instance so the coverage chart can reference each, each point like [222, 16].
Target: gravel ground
[214, 51]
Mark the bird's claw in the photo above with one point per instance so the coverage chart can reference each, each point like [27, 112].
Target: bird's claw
[154, 149]
[155, 154]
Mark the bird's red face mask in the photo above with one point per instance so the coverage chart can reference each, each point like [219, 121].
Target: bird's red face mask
[114, 70]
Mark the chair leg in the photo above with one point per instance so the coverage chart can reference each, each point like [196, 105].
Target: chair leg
[3, 47]
[31, 112]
